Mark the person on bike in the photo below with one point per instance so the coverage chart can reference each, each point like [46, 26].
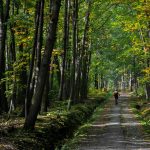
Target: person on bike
[116, 95]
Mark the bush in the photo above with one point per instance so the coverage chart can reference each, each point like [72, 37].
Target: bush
[142, 109]
[53, 129]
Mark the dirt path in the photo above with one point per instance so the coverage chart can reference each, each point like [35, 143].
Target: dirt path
[118, 130]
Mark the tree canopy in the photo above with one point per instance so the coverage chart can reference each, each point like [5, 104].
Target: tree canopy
[63, 49]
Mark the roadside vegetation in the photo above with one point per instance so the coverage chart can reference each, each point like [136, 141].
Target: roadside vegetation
[53, 128]
[54, 54]
[141, 108]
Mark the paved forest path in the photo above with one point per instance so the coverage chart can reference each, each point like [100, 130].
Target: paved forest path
[117, 130]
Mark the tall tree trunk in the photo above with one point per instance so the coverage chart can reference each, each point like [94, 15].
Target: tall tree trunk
[67, 85]
[84, 56]
[78, 70]
[135, 75]
[130, 82]
[96, 81]
[3, 34]
[45, 95]
[148, 91]
[39, 39]
[65, 51]
[75, 12]
[12, 61]
[31, 78]
[37, 98]
[51, 82]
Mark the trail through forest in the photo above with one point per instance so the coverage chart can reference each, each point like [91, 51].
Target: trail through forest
[117, 130]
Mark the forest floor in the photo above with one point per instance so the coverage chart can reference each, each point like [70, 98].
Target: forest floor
[117, 128]
[52, 129]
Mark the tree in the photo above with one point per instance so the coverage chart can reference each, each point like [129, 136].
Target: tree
[4, 16]
[34, 109]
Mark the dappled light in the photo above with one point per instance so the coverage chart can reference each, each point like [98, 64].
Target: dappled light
[115, 132]
[74, 74]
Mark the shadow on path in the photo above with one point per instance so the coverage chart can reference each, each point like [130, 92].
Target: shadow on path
[119, 131]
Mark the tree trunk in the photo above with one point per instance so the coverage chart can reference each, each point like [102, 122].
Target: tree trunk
[148, 91]
[65, 51]
[45, 96]
[12, 61]
[39, 39]
[37, 98]
[84, 56]
[96, 81]
[31, 78]
[75, 11]
[3, 35]
[130, 82]
[135, 75]
[78, 54]
[77, 85]
[67, 85]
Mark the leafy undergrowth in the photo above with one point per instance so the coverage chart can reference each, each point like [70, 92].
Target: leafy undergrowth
[142, 109]
[52, 129]
[82, 131]
[96, 93]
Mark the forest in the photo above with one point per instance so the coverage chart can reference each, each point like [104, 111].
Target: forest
[60, 59]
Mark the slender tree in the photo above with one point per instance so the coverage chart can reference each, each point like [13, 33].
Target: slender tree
[65, 51]
[75, 11]
[84, 56]
[36, 54]
[4, 16]
[37, 97]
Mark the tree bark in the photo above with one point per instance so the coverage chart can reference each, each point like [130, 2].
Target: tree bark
[12, 61]
[3, 35]
[75, 12]
[96, 81]
[31, 78]
[65, 51]
[45, 96]
[37, 97]
[148, 91]
[84, 56]
[40, 34]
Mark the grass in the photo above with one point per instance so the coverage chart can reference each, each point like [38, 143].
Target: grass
[83, 130]
[141, 108]
[52, 128]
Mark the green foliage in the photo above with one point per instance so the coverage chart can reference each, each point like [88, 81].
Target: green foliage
[56, 127]
[83, 130]
[143, 112]
[119, 40]
[98, 93]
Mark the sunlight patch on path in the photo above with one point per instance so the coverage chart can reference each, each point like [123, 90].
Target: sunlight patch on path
[116, 123]
[118, 132]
